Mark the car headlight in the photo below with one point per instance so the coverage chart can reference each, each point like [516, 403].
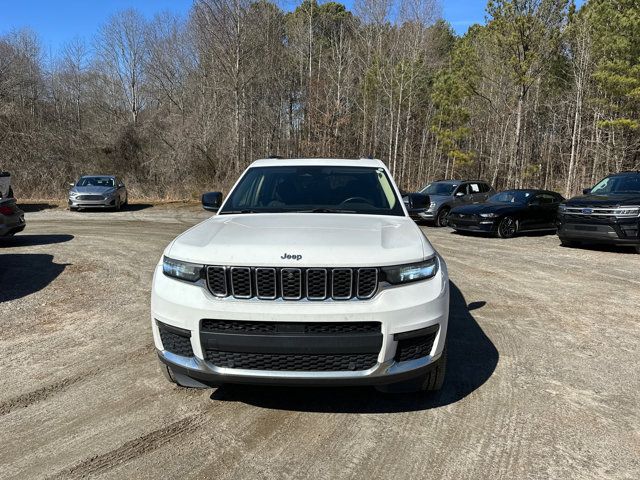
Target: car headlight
[411, 272]
[488, 215]
[432, 205]
[191, 272]
[73, 194]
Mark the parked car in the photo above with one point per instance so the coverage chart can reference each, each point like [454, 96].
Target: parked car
[607, 213]
[510, 212]
[443, 195]
[98, 191]
[11, 218]
[5, 185]
[311, 273]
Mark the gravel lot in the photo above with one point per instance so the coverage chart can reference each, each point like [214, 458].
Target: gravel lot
[542, 383]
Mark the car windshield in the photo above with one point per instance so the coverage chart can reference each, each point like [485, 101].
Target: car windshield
[314, 189]
[439, 188]
[95, 182]
[511, 196]
[618, 184]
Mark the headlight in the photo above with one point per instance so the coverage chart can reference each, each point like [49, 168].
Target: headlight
[488, 215]
[73, 194]
[190, 272]
[432, 205]
[411, 272]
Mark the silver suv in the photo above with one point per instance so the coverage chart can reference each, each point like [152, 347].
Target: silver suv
[446, 194]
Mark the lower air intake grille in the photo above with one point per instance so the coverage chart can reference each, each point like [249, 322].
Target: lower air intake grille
[175, 340]
[309, 328]
[292, 362]
[414, 348]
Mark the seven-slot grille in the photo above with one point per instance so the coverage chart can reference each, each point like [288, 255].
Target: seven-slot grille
[268, 283]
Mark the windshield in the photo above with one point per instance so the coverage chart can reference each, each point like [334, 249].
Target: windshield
[511, 196]
[95, 182]
[318, 189]
[439, 189]
[618, 184]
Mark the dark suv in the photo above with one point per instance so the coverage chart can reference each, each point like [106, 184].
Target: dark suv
[446, 194]
[607, 213]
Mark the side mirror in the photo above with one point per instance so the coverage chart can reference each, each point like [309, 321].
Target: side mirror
[586, 191]
[418, 200]
[212, 201]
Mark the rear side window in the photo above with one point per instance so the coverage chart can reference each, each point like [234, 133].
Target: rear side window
[546, 199]
[464, 189]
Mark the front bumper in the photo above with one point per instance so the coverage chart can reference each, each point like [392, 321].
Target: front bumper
[408, 308]
[485, 225]
[621, 232]
[427, 215]
[12, 224]
[105, 203]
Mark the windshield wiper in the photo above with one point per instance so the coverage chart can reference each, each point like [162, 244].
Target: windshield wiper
[326, 210]
[236, 212]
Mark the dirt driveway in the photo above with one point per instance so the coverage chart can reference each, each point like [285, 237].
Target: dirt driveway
[543, 370]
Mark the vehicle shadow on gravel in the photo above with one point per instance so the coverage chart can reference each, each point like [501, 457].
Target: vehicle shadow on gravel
[22, 274]
[537, 233]
[132, 207]
[33, 240]
[36, 207]
[604, 248]
[472, 359]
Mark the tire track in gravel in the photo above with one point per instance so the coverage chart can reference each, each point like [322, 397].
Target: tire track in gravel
[43, 393]
[132, 449]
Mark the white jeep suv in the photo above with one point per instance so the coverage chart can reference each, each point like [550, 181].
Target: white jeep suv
[311, 273]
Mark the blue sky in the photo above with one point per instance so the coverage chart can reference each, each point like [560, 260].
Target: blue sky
[58, 21]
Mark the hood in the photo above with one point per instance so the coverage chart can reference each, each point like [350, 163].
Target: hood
[304, 240]
[92, 189]
[611, 200]
[488, 207]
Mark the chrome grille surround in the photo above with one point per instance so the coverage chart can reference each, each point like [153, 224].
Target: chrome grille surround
[618, 212]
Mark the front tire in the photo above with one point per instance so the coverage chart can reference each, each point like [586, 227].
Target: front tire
[431, 381]
[442, 219]
[508, 227]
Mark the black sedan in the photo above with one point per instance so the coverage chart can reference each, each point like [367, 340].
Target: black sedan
[510, 212]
